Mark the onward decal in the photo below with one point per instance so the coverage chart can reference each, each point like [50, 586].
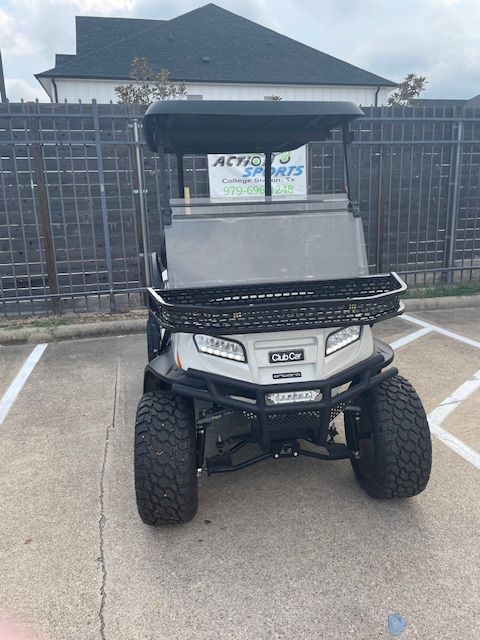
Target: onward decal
[243, 174]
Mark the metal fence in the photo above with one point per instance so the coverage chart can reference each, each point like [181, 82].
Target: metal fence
[416, 174]
[75, 180]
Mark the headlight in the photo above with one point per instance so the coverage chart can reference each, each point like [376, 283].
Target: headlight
[220, 347]
[342, 338]
[282, 397]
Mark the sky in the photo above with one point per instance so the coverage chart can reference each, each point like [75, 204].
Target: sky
[439, 39]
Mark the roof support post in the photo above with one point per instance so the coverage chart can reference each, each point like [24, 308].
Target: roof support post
[139, 176]
[347, 138]
[268, 173]
[180, 176]
[166, 212]
[165, 209]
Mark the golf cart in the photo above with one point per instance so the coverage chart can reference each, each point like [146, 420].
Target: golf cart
[260, 315]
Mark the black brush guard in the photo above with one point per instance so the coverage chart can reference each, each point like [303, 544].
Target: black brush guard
[250, 398]
[281, 306]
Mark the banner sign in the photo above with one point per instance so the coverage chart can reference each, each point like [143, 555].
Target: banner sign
[243, 174]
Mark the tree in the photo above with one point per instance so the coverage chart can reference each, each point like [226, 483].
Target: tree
[148, 85]
[409, 89]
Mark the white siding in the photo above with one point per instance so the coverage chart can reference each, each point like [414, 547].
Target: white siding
[103, 91]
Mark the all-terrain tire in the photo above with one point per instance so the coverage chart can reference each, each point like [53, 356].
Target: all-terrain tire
[395, 445]
[166, 483]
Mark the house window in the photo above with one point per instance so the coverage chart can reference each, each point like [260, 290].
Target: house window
[194, 96]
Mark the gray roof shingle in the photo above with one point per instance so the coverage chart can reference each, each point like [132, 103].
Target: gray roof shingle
[209, 44]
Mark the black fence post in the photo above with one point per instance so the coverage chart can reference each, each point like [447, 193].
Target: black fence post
[103, 204]
[452, 222]
[44, 211]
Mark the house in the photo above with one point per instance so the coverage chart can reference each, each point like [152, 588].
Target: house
[218, 54]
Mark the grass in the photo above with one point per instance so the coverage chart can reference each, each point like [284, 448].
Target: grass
[458, 289]
[52, 322]
[40, 323]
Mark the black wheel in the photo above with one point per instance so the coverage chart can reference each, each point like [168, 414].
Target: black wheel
[154, 338]
[165, 459]
[394, 441]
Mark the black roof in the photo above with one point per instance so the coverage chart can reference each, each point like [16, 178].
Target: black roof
[208, 44]
[224, 126]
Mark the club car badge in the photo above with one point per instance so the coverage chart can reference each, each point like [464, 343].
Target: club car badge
[284, 357]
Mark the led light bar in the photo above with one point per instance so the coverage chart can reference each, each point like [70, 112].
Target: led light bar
[284, 397]
[220, 347]
[342, 338]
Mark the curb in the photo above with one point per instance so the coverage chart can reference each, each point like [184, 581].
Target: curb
[124, 327]
[445, 302]
[72, 331]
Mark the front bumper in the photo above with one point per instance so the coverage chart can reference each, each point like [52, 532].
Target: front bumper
[249, 398]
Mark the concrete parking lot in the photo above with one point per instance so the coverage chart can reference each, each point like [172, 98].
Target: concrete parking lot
[287, 549]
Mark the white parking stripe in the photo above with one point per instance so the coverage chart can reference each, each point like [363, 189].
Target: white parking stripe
[20, 379]
[444, 332]
[467, 453]
[444, 409]
[401, 342]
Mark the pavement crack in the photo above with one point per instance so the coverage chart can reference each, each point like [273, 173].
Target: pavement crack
[102, 520]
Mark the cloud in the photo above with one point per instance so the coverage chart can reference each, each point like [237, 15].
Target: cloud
[18, 89]
[438, 39]
[11, 40]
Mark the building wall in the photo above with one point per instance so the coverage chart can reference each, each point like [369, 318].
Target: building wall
[104, 91]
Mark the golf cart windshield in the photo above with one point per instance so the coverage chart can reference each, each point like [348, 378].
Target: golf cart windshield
[210, 243]
[260, 239]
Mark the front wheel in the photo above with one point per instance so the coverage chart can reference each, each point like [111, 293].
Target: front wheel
[393, 440]
[165, 459]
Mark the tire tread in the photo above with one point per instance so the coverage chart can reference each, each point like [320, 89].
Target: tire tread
[165, 459]
[402, 442]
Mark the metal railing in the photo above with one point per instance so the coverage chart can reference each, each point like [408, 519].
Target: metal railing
[417, 181]
[79, 199]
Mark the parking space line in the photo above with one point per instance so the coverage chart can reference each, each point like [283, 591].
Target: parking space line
[401, 342]
[467, 453]
[11, 394]
[444, 409]
[445, 332]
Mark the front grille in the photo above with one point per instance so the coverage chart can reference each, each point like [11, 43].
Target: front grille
[301, 420]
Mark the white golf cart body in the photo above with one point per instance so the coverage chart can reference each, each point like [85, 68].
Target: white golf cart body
[260, 323]
[265, 305]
